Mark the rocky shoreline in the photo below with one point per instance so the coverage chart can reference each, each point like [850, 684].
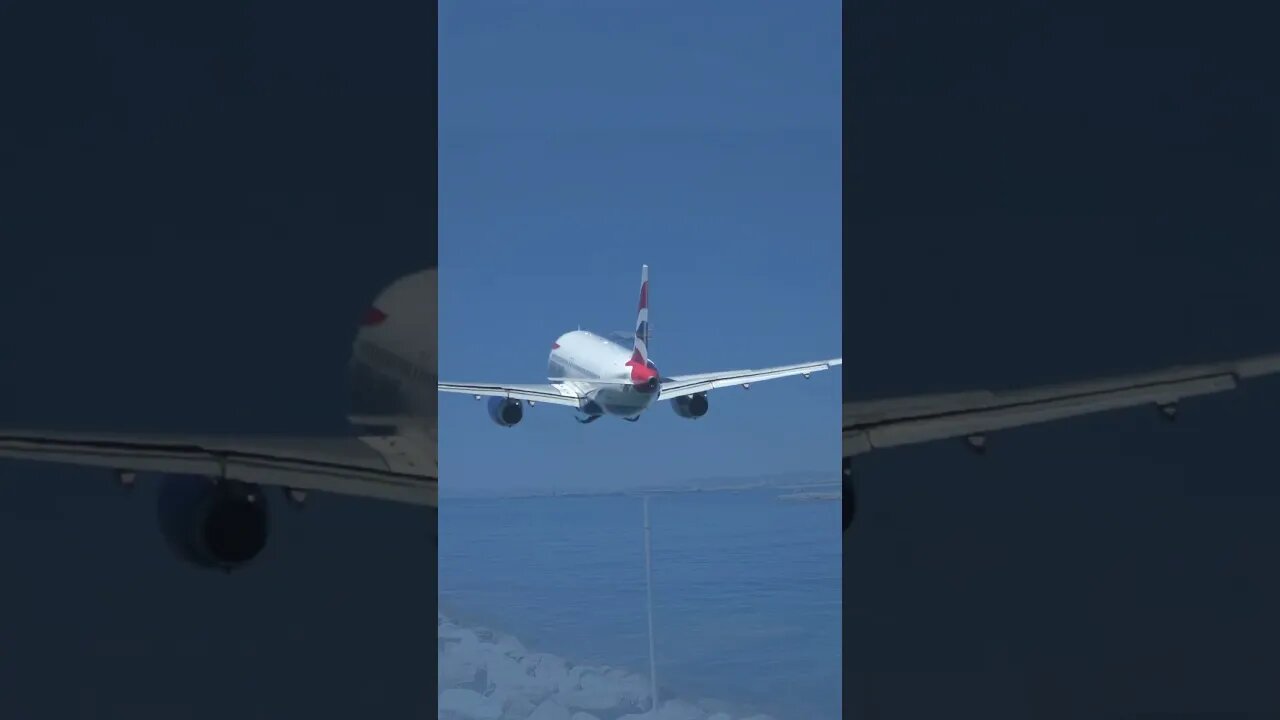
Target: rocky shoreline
[483, 675]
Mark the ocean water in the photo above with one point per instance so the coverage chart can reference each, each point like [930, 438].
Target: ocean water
[746, 590]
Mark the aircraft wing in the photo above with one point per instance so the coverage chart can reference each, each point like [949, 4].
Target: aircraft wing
[400, 468]
[878, 424]
[554, 394]
[682, 385]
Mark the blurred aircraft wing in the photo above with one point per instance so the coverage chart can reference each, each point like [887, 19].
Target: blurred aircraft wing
[683, 385]
[878, 424]
[553, 394]
[400, 468]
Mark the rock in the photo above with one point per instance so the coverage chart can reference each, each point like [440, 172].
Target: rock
[463, 642]
[592, 681]
[449, 631]
[550, 710]
[670, 710]
[453, 674]
[468, 704]
[508, 645]
[509, 678]
[517, 708]
[680, 710]
[548, 669]
[458, 665]
[484, 675]
[590, 699]
[574, 679]
[632, 688]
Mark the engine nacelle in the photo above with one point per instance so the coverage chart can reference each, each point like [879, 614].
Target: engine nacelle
[691, 406]
[505, 411]
[220, 525]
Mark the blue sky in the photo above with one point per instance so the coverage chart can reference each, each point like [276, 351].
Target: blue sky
[578, 143]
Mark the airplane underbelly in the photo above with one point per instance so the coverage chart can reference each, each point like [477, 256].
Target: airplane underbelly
[623, 402]
[590, 359]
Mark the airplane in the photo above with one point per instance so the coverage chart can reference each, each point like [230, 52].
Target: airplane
[896, 422]
[597, 377]
[212, 509]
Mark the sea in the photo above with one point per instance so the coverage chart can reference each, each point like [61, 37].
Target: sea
[746, 588]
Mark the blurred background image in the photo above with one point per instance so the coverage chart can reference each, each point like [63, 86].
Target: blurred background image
[1043, 193]
[198, 204]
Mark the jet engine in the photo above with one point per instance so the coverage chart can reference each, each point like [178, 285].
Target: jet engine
[505, 411]
[691, 406]
[221, 525]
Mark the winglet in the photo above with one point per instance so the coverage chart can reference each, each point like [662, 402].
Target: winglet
[641, 345]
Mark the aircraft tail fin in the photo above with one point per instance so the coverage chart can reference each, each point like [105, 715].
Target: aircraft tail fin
[641, 342]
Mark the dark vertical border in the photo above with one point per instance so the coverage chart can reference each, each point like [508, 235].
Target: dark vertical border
[1037, 193]
[847, 313]
[211, 192]
[431, 136]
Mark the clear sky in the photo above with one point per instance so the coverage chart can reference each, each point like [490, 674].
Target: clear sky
[580, 141]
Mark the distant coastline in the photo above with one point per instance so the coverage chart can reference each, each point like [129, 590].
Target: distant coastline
[809, 485]
[811, 496]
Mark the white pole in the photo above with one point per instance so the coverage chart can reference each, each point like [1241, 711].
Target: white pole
[648, 582]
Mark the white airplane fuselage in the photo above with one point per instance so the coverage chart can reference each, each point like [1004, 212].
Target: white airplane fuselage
[614, 380]
[393, 360]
